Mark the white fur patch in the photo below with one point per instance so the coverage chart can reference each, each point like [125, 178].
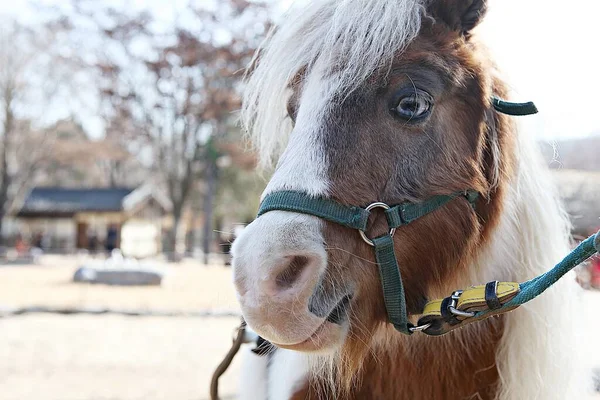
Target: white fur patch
[302, 166]
[287, 373]
[277, 378]
[253, 376]
[263, 244]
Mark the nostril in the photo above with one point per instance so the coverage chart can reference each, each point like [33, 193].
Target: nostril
[291, 272]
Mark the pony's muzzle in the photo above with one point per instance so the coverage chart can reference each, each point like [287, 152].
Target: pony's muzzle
[278, 263]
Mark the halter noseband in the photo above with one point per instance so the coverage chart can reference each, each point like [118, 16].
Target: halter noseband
[462, 307]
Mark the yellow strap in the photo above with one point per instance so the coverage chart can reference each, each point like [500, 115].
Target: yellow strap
[473, 299]
[432, 308]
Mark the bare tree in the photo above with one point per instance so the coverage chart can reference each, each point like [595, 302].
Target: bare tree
[75, 159]
[173, 99]
[24, 91]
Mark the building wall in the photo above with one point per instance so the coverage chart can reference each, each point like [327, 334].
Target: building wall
[100, 220]
[138, 231]
[140, 238]
[93, 227]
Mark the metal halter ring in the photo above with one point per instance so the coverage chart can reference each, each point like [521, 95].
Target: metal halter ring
[452, 306]
[419, 328]
[363, 235]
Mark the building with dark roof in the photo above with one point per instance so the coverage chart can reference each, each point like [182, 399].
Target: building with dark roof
[56, 202]
[95, 219]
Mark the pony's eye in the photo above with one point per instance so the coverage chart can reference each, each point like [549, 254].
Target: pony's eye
[413, 107]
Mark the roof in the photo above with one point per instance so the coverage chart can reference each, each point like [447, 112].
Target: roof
[64, 201]
[144, 192]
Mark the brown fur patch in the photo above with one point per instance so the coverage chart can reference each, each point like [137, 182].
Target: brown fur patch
[458, 366]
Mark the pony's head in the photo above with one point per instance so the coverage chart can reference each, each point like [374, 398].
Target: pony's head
[385, 100]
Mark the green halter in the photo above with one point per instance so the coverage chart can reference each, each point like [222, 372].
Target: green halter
[356, 218]
[450, 312]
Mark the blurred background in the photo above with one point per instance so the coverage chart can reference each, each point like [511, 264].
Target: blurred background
[124, 178]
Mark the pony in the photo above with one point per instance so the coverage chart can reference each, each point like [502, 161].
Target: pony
[390, 100]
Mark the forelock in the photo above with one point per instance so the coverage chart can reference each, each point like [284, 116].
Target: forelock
[344, 39]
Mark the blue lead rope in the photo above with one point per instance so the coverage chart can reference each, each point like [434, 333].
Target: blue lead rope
[536, 286]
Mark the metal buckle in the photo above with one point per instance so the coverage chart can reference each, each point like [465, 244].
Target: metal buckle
[419, 328]
[452, 306]
[363, 235]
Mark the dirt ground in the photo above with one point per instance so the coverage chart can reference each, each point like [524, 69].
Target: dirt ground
[113, 357]
[85, 357]
[187, 286]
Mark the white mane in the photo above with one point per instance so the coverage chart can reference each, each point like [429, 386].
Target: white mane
[365, 34]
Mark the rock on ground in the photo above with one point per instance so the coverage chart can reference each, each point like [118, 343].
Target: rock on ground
[119, 277]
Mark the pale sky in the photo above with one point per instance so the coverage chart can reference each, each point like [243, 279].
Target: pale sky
[548, 49]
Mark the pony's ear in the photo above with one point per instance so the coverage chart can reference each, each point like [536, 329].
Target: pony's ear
[459, 15]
